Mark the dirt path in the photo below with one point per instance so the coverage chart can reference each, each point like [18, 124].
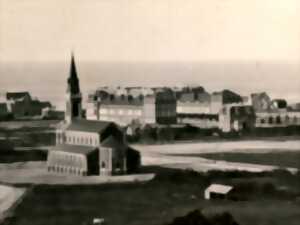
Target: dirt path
[9, 198]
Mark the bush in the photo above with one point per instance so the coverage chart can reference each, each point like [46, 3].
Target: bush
[197, 218]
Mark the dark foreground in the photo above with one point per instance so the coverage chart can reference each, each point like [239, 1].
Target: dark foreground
[270, 198]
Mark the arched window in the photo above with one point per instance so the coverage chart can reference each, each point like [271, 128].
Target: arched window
[278, 120]
[103, 165]
[270, 120]
[262, 121]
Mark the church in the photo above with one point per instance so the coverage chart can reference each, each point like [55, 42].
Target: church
[85, 147]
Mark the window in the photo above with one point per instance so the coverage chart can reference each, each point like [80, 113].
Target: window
[103, 165]
[262, 121]
[278, 120]
[270, 120]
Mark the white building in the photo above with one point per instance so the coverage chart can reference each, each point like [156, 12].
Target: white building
[217, 191]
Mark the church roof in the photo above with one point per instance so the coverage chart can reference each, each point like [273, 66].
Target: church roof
[77, 149]
[88, 126]
[112, 142]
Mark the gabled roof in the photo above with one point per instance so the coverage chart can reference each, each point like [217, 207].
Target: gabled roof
[112, 142]
[77, 149]
[89, 126]
[219, 188]
[16, 95]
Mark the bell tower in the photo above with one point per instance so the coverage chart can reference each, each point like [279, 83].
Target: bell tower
[73, 95]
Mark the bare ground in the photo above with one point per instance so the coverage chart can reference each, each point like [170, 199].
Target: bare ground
[170, 155]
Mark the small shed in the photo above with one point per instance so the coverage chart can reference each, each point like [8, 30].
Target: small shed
[219, 191]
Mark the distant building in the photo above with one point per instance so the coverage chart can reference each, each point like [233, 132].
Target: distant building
[225, 97]
[261, 102]
[191, 103]
[277, 118]
[202, 109]
[217, 191]
[85, 147]
[273, 113]
[294, 107]
[127, 105]
[21, 104]
[236, 118]
[204, 121]
[279, 104]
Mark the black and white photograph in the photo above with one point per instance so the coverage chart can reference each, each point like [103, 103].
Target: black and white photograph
[149, 112]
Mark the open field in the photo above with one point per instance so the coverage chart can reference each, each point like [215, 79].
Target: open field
[157, 202]
[28, 123]
[189, 155]
[281, 159]
[256, 146]
[36, 173]
[12, 156]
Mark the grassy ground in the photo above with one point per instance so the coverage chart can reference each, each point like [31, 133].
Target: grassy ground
[11, 156]
[170, 194]
[282, 159]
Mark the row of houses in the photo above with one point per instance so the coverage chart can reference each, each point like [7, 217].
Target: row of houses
[225, 110]
[133, 104]
[166, 105]
[21, 104]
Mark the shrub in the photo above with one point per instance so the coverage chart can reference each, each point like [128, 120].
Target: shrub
[197, 218]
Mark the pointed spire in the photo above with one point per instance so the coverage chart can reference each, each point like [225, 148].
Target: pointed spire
[73, 82]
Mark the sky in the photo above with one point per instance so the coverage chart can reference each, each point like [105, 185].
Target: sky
[245, 43]
[150, 30]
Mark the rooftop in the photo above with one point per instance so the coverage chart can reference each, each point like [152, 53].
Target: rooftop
[77, 149]
[89, 126]
[16, 95]
[112, 142]
[219, 188]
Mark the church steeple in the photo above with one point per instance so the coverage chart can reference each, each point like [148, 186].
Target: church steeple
[73, 97]
[73, 82]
